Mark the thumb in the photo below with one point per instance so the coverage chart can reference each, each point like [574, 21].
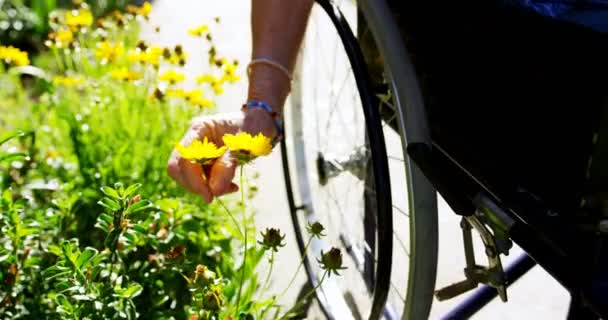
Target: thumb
[221, 175]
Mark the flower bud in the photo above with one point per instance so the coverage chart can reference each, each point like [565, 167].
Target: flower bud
[272, 239]
[331, 261]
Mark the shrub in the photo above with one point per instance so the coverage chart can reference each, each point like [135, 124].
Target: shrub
[91, 226]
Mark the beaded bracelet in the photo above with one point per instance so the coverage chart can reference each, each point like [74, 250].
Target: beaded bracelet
[271, 63]
[276, 116]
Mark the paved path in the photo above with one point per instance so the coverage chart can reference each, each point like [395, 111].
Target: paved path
[536, 296]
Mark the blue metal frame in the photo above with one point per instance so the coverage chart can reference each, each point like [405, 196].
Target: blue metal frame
[482, 296]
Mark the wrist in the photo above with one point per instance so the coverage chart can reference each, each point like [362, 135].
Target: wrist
[269, 85]
[256, 120]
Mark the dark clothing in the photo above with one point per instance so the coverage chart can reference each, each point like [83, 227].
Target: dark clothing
[516, 97]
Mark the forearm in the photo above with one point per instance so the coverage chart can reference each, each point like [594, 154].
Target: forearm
[278, 27]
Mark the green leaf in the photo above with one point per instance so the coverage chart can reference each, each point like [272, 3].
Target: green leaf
[11, 135]
[82, 297]
[85, 257]
[64, 302]
[139, 206]
[58, 275]
[131, 189]
[6, 157]
[132, 291]
[112, 238]
[4, 257]
[106, 217]
[26, 232]
[32, 262]
[54, 249]
[102, 225]
[31, 71]
[109, 203]
[140, 229]
[110, 192]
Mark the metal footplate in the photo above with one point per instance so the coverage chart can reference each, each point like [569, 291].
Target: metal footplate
[493, 225]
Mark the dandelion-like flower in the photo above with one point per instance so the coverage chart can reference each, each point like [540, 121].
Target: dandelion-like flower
[77, 19]
[60, 38]
[68, 81]
[230, 73]
[108, 52]
[172, 77]
[206, 78]
[125, 74]
[143, 11]
[272, 239]
[316, 230]
[201, 102]
[193, 95]
[200, 152]
[331, 261]
[246, 147]
[215, 83]
[11, 55]
[198, 31]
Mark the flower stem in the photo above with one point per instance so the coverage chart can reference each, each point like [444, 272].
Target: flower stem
[238, 295]
[305, 297]
[293, 278]
[236, 223]
[267, 281]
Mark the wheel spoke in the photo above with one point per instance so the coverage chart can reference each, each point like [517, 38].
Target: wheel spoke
[401, 211]
[401, 243]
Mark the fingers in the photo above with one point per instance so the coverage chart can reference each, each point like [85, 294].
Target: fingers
[221, 175]
[195, 182]
[189, 176]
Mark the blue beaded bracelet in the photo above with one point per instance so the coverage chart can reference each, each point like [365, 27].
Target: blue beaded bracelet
[275, 116]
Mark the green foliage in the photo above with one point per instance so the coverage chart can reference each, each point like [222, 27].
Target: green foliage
[91, 226]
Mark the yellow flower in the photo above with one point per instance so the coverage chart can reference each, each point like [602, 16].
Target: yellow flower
[230, 73]
[201, 152]
[67, 81]
[198, 31]
[202, 102]
[193, 95]
[176, 93]
[134, 56]
[216, 84]
[172, 77]
[217, 87]
[178, 59]
[151, 56]
[145, 9]
[206, 78]
[12, 55]
[125, 74]
[61, 38]
[78, 18]
[108, 52]
[230, 76]
[246, 147]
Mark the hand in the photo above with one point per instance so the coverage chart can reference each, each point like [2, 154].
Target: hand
[221, 173]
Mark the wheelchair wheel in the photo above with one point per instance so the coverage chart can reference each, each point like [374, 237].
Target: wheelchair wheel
[345, 166]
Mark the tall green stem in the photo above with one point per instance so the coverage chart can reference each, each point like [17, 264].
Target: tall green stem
[267, 280]
[293, 278]
[305, 297]
[238, 295]
[236, 223]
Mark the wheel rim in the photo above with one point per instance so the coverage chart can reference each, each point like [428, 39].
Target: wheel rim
[309, 148]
